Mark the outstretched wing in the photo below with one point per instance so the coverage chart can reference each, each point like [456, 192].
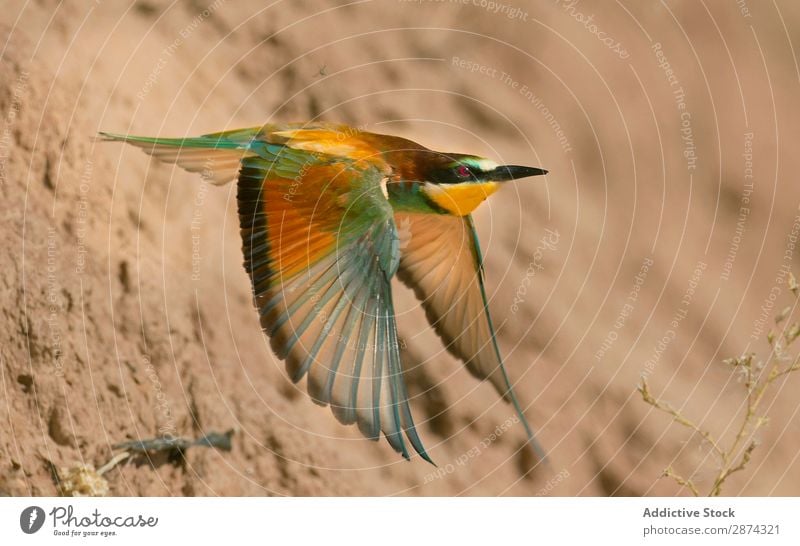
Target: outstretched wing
[320, 246]
[441, 261]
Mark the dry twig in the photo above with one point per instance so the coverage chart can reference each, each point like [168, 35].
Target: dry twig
[756, 378]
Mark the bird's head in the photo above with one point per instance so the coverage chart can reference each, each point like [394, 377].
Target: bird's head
[458, 183]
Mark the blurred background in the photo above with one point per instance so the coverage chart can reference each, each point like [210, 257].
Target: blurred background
[659, 244]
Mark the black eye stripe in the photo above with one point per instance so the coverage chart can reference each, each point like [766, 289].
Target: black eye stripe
[454, 174]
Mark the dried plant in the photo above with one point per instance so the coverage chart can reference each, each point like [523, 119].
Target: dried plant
[756, 377]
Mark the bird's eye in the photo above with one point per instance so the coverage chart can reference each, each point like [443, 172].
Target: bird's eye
[463, 171]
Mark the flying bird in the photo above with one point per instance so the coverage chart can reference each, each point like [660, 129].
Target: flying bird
[329, 214]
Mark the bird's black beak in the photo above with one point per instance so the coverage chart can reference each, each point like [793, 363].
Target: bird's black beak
[513, 172]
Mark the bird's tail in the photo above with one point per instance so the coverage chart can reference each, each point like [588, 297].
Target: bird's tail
[215, 156]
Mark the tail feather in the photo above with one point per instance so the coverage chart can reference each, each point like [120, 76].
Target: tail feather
[215, 156]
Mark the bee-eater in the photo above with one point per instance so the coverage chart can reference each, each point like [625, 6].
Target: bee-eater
[328, 215]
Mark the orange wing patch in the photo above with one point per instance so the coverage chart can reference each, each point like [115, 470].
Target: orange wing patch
[303, 216]
[338, 141]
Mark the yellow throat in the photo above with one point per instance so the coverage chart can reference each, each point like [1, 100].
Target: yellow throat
[460, 199]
